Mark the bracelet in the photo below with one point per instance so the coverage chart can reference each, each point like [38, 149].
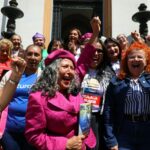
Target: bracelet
[13, 82]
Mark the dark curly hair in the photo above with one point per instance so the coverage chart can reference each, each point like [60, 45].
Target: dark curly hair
[48, 81]
[113, 40]
[103, 65]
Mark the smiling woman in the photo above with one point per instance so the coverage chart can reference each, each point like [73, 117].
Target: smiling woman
[55, 99]
[5, 54]
[14, 90]
[58, 90]
[136, 62]
[127, 116]
[33, 56]
[58, 75]
[135, 59]
[114, 51]
[66, 74]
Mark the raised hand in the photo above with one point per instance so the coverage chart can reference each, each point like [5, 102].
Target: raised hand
[7, 92]
[148, 40]
[95, 24]
[136, 36]
[18, 66]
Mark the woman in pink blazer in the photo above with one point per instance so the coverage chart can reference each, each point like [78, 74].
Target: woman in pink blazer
[54, 103]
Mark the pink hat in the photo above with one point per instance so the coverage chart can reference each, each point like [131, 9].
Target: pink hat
[38, 35]
[85, 36]
[60, 53]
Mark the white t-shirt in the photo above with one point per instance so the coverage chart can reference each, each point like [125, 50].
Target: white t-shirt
[116, 66]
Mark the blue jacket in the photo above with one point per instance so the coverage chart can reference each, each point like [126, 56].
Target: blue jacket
[114, 106]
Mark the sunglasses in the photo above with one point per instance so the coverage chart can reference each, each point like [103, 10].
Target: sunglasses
[99, 50]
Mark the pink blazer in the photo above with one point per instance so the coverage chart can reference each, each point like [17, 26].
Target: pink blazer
[85, 60]
[3, 119]
[51, 122]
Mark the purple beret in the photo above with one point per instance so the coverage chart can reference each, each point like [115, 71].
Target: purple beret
[38, 35]
[59, 53]
[85, 36]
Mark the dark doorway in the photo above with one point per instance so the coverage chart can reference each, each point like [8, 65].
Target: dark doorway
[74, 13]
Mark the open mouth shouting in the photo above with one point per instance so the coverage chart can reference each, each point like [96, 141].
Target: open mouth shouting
[136, 66]
[67, 79]
[65, 82]
[136, 62]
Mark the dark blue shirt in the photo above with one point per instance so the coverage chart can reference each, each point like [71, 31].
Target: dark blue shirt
[137, 100]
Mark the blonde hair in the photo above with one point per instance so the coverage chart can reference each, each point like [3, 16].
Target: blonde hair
[8, 43]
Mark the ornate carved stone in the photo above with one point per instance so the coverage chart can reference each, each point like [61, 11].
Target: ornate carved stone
[12, 12]
[142, 17]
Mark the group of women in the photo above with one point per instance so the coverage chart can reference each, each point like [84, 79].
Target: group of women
[43, 110]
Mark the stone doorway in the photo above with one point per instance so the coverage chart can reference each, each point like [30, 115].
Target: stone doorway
[74, 13]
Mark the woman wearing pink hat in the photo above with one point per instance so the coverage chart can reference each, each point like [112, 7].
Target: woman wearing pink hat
[54, 103]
